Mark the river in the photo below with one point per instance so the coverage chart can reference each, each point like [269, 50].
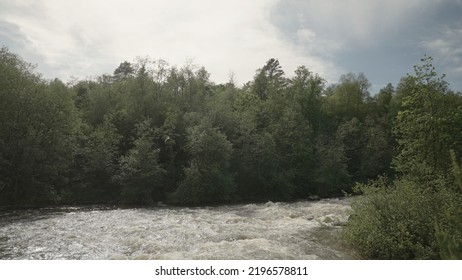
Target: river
[297, 230]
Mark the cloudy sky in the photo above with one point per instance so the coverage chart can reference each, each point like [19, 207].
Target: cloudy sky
[382, 39]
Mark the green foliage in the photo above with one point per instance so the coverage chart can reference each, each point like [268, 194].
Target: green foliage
[95, 164]
[305, 89]
[294, 137]
[368, 148]
[397, 220]
[259, 176]
[386, 104]
[450, 238]
[331, 174]
[418, 216]
[349, 97]
[427, 126]
[286, 142]
[153, 132]
[124, 71]
[37, 135]
[141, 176]
[207, 178]
[269, 80]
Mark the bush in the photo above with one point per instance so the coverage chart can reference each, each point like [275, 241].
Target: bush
[450, 238]
[398, 221]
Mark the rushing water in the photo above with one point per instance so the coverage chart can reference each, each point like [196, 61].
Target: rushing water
[300, 230]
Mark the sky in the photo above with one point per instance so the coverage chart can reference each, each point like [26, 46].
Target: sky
[70, 39]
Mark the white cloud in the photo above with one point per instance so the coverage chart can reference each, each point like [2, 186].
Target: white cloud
[91, 37]
[447, 45]
[446, 49]
[349, 23]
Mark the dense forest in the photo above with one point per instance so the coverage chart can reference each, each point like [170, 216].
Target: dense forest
[151, 132]
[154, 132]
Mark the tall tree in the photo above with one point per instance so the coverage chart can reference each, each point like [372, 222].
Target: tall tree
[427, 126]
[124, 71]
[305, 89]
[269, 79]
[349, 97]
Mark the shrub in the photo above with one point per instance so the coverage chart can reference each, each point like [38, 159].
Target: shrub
[450, 238]
[398, 220]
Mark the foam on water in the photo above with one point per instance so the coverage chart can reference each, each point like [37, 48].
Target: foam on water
[301, 230]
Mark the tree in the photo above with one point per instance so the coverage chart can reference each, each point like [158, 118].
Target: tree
[95, 164]
[38, 123]
[257, 165]
[427, 126]
[141, 176]
[367, 146]
[124, 71]
[207, 178]
[269, 80]
[384, 100]
[305, 89]
[349, 96]
[397, 220]
[450, 236]
[330, 174]
[294, 139]
[377, 152]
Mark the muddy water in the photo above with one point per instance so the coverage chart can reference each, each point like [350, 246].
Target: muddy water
[300, 230]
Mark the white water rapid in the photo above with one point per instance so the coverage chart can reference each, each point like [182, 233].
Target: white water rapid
[299, 230]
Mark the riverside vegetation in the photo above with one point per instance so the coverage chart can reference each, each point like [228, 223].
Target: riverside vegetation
[153, 132]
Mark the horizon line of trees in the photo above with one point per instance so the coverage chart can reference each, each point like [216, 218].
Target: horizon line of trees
[153, 132]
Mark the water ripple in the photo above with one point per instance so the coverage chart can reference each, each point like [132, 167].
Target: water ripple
[300, 230]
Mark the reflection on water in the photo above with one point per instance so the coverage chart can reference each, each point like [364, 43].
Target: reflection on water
[300, 230]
